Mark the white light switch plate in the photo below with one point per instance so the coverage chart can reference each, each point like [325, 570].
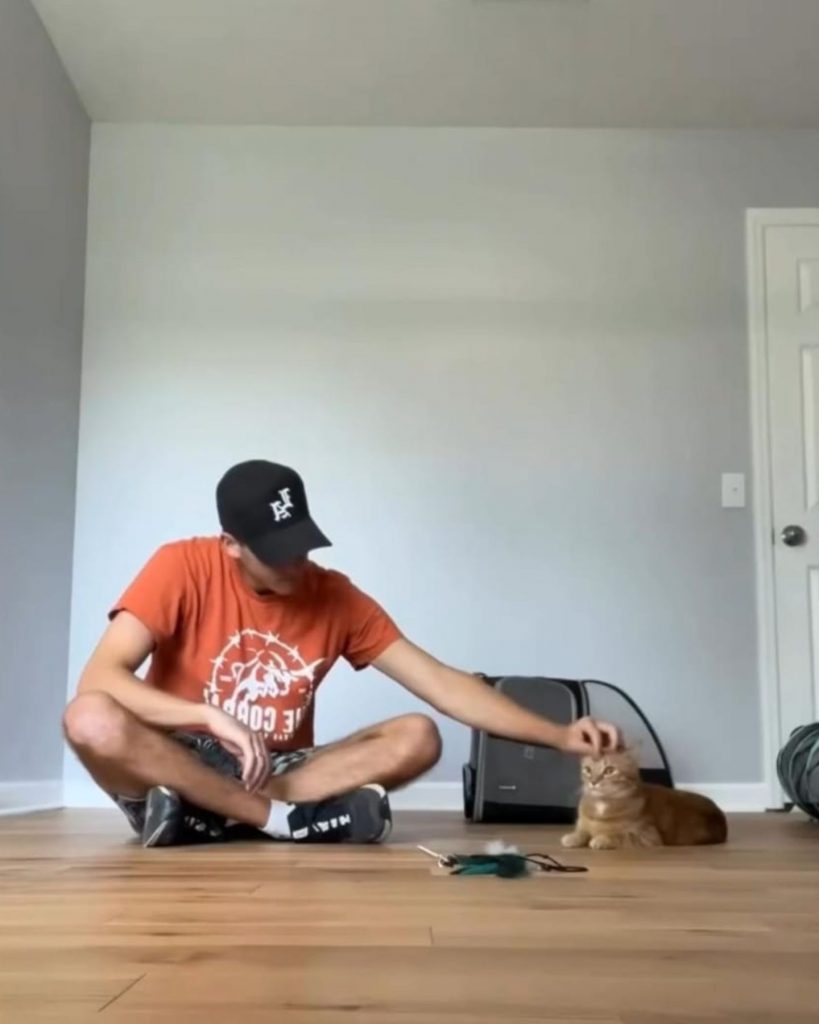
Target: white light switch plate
[733, 490]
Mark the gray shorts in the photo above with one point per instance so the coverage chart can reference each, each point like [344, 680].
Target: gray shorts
[211, 751]
[215, 756]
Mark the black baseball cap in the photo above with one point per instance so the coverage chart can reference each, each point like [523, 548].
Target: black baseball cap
[264, 506]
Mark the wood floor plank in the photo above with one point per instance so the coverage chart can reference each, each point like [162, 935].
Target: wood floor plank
[115, 1015]
[24, 992]
[731, 1018]
[483, 983]
[94, 928]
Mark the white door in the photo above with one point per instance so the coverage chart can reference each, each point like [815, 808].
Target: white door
[790, 271]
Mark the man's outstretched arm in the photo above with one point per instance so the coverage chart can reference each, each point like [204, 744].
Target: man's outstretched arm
[467, 699]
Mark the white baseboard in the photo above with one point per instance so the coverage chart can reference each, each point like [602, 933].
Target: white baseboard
[423, 796]
[429, 796]
[84, 793]
[732, 797]
[25, 797]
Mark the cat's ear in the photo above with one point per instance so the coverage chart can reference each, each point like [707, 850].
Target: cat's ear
[632, 747]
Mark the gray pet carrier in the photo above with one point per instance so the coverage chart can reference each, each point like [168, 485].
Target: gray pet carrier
[798, 768]
[514, 782]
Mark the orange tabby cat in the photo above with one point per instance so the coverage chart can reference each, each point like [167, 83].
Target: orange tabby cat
[619, 809]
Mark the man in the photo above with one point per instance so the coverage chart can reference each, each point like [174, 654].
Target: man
[241, 629]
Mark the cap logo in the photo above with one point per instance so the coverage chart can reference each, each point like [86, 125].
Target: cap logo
[282, 507]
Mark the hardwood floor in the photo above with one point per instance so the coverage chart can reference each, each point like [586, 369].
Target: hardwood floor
[94, 928]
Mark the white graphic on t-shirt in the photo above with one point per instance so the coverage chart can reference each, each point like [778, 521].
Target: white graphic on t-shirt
[281, 508]
[263, 682]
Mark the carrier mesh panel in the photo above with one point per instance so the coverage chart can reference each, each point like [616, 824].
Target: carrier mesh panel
[610, 705]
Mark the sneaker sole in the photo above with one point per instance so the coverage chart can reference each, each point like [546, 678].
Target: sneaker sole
[161, 833]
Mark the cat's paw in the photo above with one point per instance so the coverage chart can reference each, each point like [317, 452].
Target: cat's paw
[604, 843]
[574, 840]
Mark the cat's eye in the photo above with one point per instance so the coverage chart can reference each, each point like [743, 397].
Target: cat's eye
[610, 770]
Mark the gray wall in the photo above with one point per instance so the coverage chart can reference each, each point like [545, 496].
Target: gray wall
[44, 146]
[511, 365]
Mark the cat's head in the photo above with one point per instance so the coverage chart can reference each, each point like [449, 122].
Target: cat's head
[613, 774]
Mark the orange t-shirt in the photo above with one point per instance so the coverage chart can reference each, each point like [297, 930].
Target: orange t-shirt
[258, 657]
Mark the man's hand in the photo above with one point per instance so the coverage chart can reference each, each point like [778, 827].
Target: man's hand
[125, 646]
[586, 736]
[243, 743]
[469, 700]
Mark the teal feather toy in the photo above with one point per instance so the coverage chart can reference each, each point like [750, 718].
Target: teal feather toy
[501, 861]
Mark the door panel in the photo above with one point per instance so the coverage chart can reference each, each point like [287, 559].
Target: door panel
[792, 313]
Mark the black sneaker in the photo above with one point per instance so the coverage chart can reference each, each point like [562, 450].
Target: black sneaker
[362, 816]
[172, 821]
[134, 811]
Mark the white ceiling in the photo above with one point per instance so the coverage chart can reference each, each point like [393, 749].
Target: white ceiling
[602, 63]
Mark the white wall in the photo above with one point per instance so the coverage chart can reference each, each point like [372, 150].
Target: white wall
[510, 364]
[44, 146]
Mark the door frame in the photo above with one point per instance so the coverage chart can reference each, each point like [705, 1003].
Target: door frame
[757, 222]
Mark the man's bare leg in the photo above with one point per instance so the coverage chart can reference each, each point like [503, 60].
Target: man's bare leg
[127, 757]
[392, 754]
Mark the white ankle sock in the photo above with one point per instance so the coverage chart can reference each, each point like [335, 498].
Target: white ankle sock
[278, 825]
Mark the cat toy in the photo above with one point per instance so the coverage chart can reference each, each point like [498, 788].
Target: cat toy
[502, 861]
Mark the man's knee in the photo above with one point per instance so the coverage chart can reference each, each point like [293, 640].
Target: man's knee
[97, 723]
[418, 740]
